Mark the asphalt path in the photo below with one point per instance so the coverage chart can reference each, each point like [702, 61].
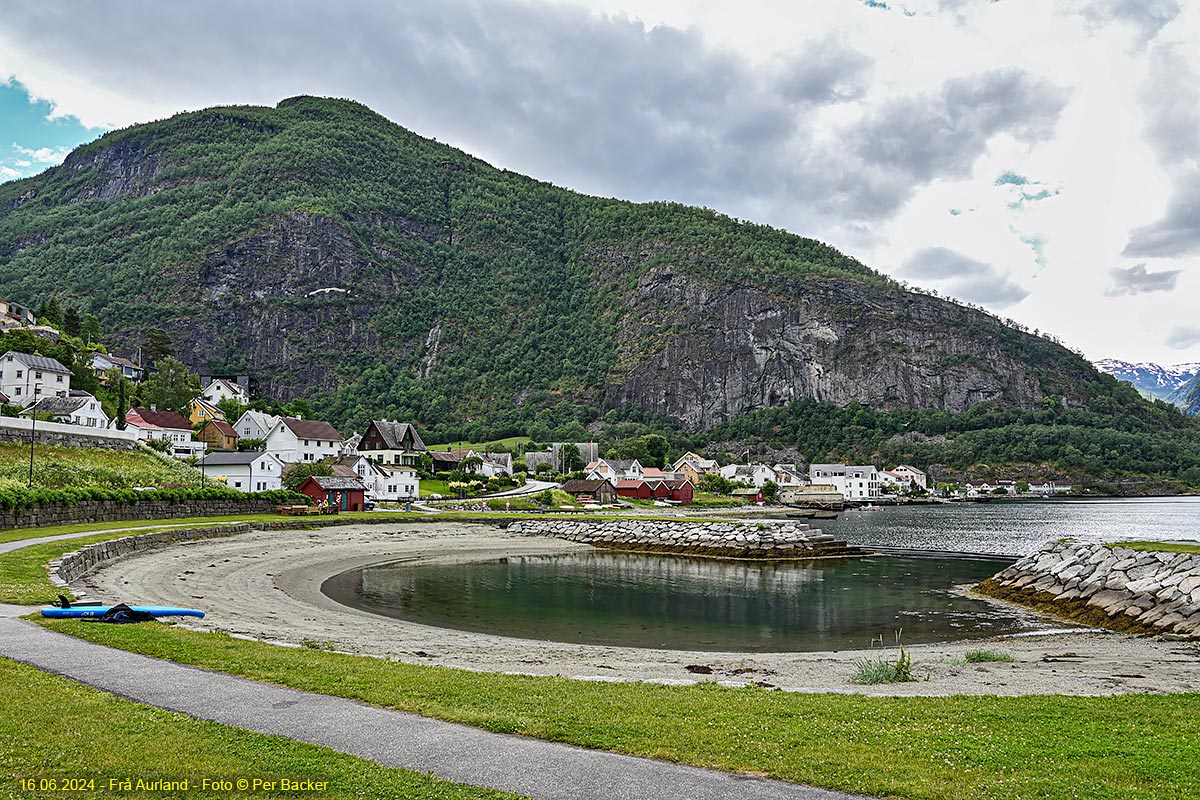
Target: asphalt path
[518, 764]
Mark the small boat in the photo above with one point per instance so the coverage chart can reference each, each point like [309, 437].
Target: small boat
[86, 612]
[869, 508]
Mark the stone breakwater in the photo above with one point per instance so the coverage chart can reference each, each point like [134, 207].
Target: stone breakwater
[1112, 587]
[726, 539]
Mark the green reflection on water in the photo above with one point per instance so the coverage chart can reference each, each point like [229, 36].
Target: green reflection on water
[685, 603]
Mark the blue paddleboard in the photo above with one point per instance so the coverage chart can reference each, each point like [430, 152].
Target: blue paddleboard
[83, 612]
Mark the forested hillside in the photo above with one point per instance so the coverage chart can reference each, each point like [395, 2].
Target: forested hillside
[335, 256]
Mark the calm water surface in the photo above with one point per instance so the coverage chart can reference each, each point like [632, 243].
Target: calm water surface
[689, 604]
[1018, 528]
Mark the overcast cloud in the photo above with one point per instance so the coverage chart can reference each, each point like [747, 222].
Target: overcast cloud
[963, 277]
[881, 132]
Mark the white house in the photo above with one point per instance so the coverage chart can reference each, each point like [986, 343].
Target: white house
[27, 378]
[219, 389]
[495, 464]
[753, 474]
[80, 408]
[614, 469]
[856, 482]
[384, 483]
[103, 362]
[293, 439]
[149, 423]
[252, 471]
[255, 425]
[909, 474]
[787, 476]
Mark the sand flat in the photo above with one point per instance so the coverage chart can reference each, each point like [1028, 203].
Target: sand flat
[266, 585]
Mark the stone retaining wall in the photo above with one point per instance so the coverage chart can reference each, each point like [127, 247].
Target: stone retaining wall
[19, 429]
[733, 539]
[72, 566]
[113, 511]
[1113, 587]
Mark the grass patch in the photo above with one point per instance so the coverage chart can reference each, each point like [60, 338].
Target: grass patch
[1132, 747]
[136, 526]
[431, 487]
[1160, 547]
[511, 444]
[59, 729]
[881, 670]
[79, 467]
[987, 656]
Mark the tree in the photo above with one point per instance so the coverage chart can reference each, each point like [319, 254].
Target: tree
[122, 398]
[770, 491]
[90, 332]
[471, 464]
[156, 346]
[571, 460]
[231, 408]
[299, 473]
[171, 387]
[49, 313]
[72, 325]
[715, 484]
[425, 465]
[1022, 487]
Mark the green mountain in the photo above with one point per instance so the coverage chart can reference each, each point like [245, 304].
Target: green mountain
[336, 256]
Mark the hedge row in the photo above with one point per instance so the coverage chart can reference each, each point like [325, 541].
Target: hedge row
[29, 498]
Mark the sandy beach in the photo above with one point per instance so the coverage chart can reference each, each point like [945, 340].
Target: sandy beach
[266, 585]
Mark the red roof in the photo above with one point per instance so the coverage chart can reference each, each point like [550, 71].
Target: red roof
[311, 429]
[629, 483]
[158, 419]
[653, 472]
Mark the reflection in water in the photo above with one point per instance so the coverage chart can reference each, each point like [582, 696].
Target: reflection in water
[684, 603]
[1018, 528]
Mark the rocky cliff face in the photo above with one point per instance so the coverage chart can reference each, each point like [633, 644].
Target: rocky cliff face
[705, 354]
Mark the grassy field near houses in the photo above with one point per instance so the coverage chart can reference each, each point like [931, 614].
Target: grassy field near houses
[1133, 747]
[82, 467]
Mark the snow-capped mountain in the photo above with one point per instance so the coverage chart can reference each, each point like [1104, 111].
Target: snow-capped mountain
[1152, 380]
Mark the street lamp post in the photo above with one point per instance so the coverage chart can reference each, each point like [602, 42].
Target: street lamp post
[32, 436]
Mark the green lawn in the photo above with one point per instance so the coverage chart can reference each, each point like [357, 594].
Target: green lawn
[58, 730]
[78, 467]
[1133, 747]
[1161, 547]
[511, 444]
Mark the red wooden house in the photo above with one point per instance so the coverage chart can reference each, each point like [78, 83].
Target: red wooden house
[342, 493]
[638, 490]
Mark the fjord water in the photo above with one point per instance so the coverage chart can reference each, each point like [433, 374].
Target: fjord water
[1017, 528]
[679, 603]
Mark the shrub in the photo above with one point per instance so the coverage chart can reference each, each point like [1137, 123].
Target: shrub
[985, 656]
[881, 670]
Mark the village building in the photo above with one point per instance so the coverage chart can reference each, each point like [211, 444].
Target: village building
[79, 408]
[255, 424]
[595, 491]
[293, 440]
[201, 411]
[749, 494]
[217, 389]
[392, 443]
[755, 475]
[16, 315]
[911, 475]
[335, 491]
[218, 435]
[26, 378]
[384, 483]
[152, 424]
[103, 362]
[855, 482]
[615, 470]
[247, 472]
[693, 467]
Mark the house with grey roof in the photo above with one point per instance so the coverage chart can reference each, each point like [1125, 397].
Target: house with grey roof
[251, 471]
[26, 378]
[293, 439]
[78, 408]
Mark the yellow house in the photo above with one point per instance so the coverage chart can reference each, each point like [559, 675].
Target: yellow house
[203, 411]
[691, 466]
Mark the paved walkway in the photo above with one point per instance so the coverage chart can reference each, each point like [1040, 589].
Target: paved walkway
[8, 547]
[459, 753]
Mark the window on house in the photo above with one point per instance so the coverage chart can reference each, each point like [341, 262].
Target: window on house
[306, 442]
[59, 378]
[237, 484]
[17, 392]
[37, 375]
[20, 373]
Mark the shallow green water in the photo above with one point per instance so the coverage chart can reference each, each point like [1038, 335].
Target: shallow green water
[688, 604]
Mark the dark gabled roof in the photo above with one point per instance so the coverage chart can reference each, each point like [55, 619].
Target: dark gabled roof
[44, 363]
[338, 482]
[621, 463]
[56, 406]
[393, 434]
[163, 419]
[228, 459]
[583, 486]
[311, 429]
[442, 455]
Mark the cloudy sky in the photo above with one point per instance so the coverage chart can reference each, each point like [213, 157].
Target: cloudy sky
[1038, 157]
